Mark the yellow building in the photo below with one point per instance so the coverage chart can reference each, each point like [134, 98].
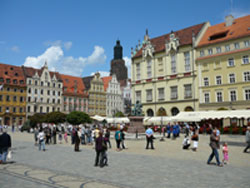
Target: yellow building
[164, 76]
[97, 96]
[12, 95]
[224, 66]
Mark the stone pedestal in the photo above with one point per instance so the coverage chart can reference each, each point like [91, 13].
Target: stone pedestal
[136, 124]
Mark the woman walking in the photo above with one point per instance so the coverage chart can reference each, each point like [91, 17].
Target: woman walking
[100, 150]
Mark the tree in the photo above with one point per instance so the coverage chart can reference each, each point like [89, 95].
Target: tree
[119, 114]
[37, 118]
[55, 117]
[76, 118]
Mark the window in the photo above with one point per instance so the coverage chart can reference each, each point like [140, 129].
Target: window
[246, 43]
[188, 91]
[21, 99]
[8, 81]
[41, 83]
[29, 90]
[54, 93]
[231, 78]
[1, 79]
[41, 100]
[0, 108]
[206, 81]
[21, 82]
[218, 50]
[59, 93]
[149, 95]
[187, 61]
[41, 91]
[47, 109]
[14, 109]
[219, 96]
[64, 99]
[138, 96]
[28, 109]
[233, 95]
[149, 68]
[53, 101]
[35, 99]
[15, 81]
[227, 47]
[201, 53]
[15, 89]
[35, 91]
[14, 98]
[21, 90]
[161, 94]
[59, 85]
[247, 76]
[48, 101]
[54, 85]
[30, 82]
[236, 45]
[173, 63]
[41, 109]
[245, 59]
[210, 51]
[48, 92]
[36, 82]
[174, 94]
[21, 110]
[8, 98]
[247, 94]
[58, 101]
[48, 84]
[218, 80]
[138, 71]
[1, 98]
[29, 99]
[231, 62]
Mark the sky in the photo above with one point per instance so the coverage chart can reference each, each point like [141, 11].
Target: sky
[77, 37]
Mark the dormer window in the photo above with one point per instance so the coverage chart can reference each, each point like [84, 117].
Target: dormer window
[218, 35]
[6, 73]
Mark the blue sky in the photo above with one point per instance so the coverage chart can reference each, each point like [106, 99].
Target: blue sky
[77, 36]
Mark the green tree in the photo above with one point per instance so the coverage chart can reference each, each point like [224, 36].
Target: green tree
[119, 114]
[55, 117]
[37, 119]
[76, 118]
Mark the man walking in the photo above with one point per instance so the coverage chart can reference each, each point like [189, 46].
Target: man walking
[215, 145]
[5, 145]
[150, 137]
[247, 139]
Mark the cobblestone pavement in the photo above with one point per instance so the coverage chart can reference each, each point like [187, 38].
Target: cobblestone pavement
[167, 166]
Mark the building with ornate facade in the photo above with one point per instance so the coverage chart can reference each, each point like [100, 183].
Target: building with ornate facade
[224, 66]
[114, 97]
[164, 75]
[12, 95]
[44, 90]
[97, 96]
[74, 96]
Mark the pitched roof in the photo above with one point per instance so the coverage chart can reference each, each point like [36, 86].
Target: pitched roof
[184, 35]
[72, 83]
[86, 81]
[30, 71]
[221, 32]
[106, 80]
[13, 73]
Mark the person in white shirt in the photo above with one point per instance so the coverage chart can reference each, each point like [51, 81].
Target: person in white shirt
[41, 139]
[186, 143]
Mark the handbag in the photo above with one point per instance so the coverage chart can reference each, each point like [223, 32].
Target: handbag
[9, 155]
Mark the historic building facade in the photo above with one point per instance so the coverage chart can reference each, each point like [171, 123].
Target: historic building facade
[114, 97]
[164, 75]
[12, 95]
[224, 65]
[97, 96]
[44, 90]
[74, 96]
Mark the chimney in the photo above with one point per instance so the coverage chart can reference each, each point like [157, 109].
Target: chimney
[229, 20]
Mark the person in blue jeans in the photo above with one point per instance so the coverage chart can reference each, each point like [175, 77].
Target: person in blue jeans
[215, 145]
[5, 145]
[41, 139]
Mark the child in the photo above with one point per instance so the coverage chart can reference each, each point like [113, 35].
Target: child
[225, 153]
[186, 143]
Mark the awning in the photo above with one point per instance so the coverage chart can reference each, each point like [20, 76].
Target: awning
[98, 118]
[118, 120]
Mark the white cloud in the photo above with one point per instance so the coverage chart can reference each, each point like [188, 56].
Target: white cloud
[56, 60]
[128, 64]
[15, 49]
[66, 45]
[102, 73]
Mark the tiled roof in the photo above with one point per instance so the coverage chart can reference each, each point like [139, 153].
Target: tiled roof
[13, 73]
[239, 28]
[86, 81]
[184, 35]
[106, 80]
[30, 71]
[72, 82]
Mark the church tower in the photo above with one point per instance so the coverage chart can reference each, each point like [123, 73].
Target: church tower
[118, 64]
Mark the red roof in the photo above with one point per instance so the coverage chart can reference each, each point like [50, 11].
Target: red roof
[221, 32]
[106, 82]
[13, 73]
[184, 35]
[72, 83]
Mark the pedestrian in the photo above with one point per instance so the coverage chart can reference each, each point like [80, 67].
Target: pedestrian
[186, 143]
[41, 139]
[215, 145]
[225, 153]
[60, 137]
[66, 137]
[123, 139]
[107, 137]
[89, 136]
[118, 139]
[168, 130]
[195, 139]
[149, 137]
[13, 127]
[77, 139]
[83, 133]
[36, 132]
[54, 135]
[73, 135]
[99, 148]
[247, 139]
[187, 129]
[5, 145]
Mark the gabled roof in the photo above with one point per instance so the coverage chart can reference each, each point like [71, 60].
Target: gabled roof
[87, 81]
[221, 32]
[184, 35]
[73, 84]
[13, 73]
[30, 72]
[106, 80]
